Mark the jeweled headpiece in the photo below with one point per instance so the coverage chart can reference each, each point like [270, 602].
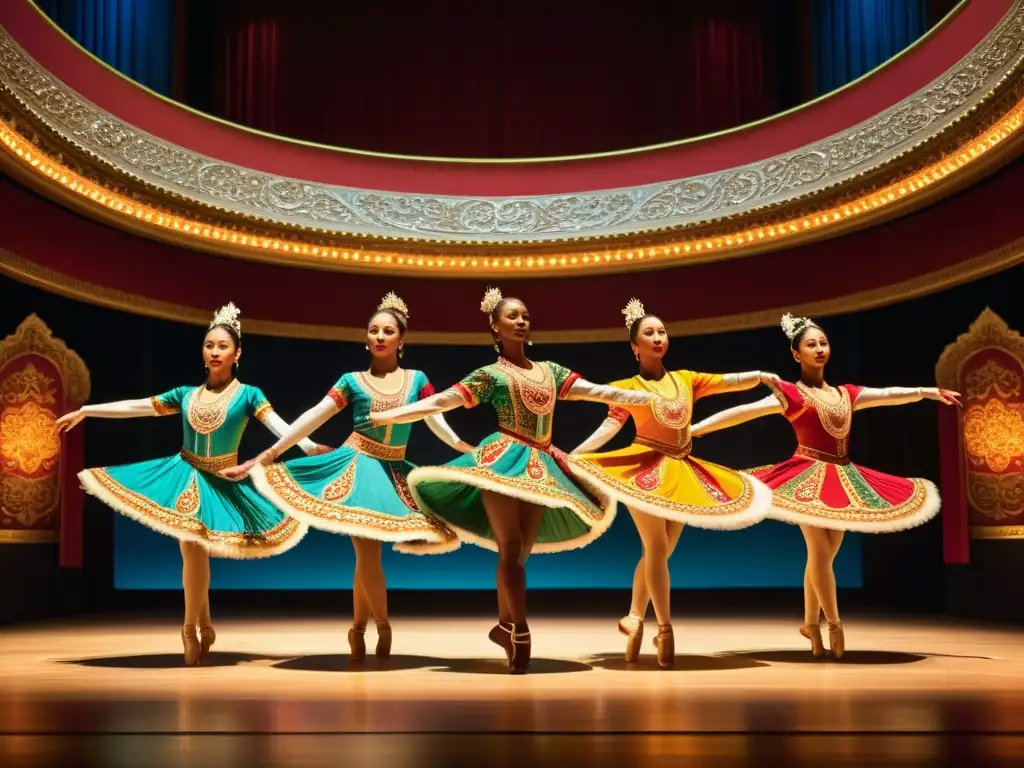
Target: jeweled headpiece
[393, 303]
[791, 326]
[491, 299]
[228, 315]
[633, 311]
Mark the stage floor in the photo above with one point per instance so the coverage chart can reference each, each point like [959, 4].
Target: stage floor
[734, 678]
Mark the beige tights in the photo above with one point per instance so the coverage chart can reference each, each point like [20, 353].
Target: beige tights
[195, 579]
[651, 579]
[819, 578]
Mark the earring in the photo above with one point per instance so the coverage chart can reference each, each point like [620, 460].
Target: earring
[636, 356]
[401, 351]
[529, 342]
[367, 346]
[497, 348]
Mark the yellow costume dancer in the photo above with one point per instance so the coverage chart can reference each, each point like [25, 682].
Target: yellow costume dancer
[657, 476]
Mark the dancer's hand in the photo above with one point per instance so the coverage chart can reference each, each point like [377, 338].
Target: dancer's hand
[268, 456]
[67, 422]
[238, 472]
[320, 449]
[769, 378]
[464, 447]
[944, 396]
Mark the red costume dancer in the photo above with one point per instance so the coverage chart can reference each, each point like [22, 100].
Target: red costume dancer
[819, 488]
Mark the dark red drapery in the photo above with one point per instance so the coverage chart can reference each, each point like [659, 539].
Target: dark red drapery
[502, 78]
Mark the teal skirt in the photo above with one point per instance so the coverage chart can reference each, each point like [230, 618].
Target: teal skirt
[504, 464]
[229, 519]
[351, 492]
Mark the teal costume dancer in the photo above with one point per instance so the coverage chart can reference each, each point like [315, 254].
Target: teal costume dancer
[182, 495]
[361, 488]
[518, 460]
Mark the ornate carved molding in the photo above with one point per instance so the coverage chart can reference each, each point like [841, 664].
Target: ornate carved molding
[988, 330]
[34, 336]
[683, 203]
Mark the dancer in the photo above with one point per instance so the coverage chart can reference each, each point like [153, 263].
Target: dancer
[181, 495]
[512, 493]
[360, 489]
[819, 489]
[661, 484]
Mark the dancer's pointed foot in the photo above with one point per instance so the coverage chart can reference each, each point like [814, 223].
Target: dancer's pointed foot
[521, 648]
[666, 645]
[813, 633]
[383, 639]
[207, 637]
[632, 626]
[501, 635]
[836, 638]
[357, 642]
[190, 643]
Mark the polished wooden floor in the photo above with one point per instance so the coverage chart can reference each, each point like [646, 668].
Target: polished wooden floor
[283, 691]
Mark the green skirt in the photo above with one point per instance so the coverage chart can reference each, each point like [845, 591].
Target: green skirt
[351, 492]
[229, 519]
[507, 465]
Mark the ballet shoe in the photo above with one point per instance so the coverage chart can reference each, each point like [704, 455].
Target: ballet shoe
[632, 627]
[501, 636]
[665, 642]
[836, 638]
[207, 637]
[190, 642]
[521, 648]
[383, 640]
[813, 633]
[357, 642]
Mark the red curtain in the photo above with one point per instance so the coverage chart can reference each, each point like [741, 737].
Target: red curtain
[247, 89]
[500, 78]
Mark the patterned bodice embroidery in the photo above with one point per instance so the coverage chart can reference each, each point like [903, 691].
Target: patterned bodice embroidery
[524, 400]
[213, 428]
[207, 417]
[359, 391]
[822, 423]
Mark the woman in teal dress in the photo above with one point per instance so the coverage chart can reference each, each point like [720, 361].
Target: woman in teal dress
[361, 489]
[512, 494]
[182, 495]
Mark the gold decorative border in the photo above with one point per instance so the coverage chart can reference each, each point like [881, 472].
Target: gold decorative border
[29, 537]
[915, 177]
[976, 268]
[993, 532]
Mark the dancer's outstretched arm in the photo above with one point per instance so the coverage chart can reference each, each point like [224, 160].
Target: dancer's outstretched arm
[730, 417]
[279, 428]
[870, 397]
[581, 389]
[434, 405]
[122, 409]
[437, 424]
[609, 428]
[705, 384]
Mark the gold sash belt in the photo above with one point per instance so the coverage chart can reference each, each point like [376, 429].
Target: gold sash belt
[810, 453]
[211, 464]
[377, 450]
[675, 451]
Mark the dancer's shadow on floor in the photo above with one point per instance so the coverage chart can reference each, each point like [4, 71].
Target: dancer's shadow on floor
[172, 660]
[684, 663]
[865, 658]
[499, 666]
[342, 662]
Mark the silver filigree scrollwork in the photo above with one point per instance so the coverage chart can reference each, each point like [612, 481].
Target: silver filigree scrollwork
[633, 210]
